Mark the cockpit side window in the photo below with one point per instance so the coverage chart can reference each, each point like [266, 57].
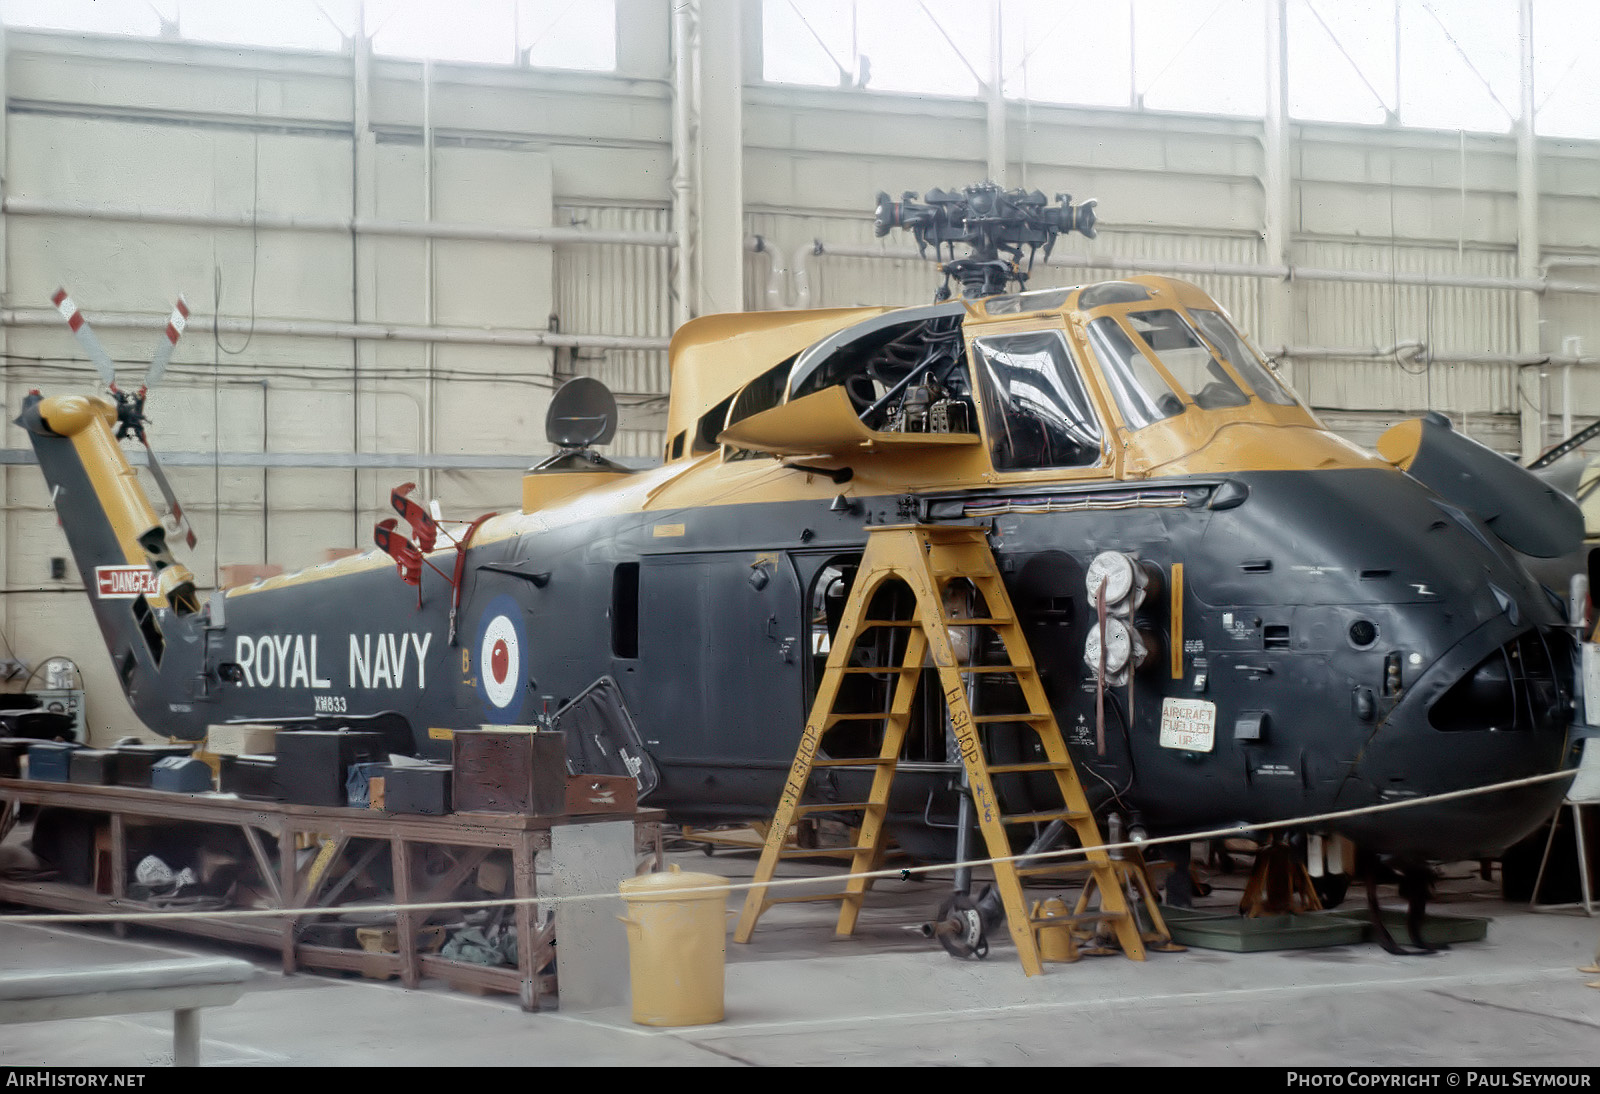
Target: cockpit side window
[1187, 358]
[1034, 403]
[1221, 334]
[1142, 395]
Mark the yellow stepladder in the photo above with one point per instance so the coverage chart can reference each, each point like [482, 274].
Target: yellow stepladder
[928, 559]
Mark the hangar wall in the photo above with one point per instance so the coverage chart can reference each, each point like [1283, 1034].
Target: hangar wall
[137, 127]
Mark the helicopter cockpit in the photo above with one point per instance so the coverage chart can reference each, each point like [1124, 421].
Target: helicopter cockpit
[1049, 379]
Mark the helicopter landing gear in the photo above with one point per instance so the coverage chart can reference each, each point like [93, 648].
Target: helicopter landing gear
[962, 924]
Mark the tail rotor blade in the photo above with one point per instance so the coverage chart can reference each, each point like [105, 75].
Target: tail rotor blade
[171, 498]
[175, 324]
[81, 330]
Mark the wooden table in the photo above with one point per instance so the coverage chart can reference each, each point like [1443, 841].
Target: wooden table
[319, 886]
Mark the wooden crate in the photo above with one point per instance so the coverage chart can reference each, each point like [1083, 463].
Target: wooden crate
[510, 769]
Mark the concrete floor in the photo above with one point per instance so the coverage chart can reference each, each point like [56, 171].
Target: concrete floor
[798, 995]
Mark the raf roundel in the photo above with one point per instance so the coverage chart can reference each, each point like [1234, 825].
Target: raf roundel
[502, 659]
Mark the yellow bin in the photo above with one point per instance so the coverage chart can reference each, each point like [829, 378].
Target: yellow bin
[677, 946]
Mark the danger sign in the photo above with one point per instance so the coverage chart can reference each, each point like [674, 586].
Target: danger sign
[124, 582]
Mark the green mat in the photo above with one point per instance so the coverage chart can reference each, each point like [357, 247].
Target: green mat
[1211, 930]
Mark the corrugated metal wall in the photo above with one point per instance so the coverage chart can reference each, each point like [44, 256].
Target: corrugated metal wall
[1362, 395]
[619, 290]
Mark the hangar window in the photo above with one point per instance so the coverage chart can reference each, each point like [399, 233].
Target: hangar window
[1034, 403]
[537, 33]
[541, 33]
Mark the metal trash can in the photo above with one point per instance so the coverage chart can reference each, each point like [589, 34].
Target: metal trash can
[677, 947]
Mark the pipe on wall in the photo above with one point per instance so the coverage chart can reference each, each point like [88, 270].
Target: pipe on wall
[774, 290]
[1241, 269]
[133, 214]
[366, 332]
[683, 192]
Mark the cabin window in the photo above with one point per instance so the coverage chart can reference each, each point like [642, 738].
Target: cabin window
[1142, 395]
[625, 610]
[1018, 302]
[1112, 292]
[1034, 403]
[677, 445]
[1220, 333]
[1187, 358]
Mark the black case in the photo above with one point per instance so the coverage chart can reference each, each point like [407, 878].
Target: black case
[417, 789]
[181, 774]
[135, 761]
[313, 764]
[93, 767]
[251, 777]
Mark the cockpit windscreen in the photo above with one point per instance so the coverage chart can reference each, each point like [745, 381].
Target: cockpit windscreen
[1221, 334]
[1142, 395]
[1187, 358]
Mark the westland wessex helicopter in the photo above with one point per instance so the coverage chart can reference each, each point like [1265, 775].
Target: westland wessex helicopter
[1354, 629]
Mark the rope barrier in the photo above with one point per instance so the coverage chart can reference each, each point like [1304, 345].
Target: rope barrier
[1234, 831]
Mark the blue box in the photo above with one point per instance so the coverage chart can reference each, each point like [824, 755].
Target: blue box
[358, 784]
[51, 761]
[181, 774]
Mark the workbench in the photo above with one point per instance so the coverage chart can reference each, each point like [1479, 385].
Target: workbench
[468, 838]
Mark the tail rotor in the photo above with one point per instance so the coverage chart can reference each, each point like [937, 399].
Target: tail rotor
[131, 418]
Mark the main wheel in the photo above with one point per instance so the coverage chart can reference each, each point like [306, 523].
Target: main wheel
[959, 927]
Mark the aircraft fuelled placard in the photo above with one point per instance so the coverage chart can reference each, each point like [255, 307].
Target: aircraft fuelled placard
[1188, 724]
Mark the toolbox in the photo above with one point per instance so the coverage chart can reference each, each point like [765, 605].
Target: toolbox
[510, 769]
[314, 764]
[50, 761]
[251, 777]
[181, 774]
[417, 788]
[93, 767]
[135, 761]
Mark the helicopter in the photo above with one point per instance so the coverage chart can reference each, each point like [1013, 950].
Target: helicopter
[1239, 616]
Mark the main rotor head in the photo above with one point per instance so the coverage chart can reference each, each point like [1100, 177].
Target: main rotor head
[992, 222]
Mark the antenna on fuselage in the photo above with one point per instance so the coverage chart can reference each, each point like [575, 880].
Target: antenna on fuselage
[582, 414]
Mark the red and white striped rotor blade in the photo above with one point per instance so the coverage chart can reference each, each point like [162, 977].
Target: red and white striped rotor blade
[169, 342]
[171, 497]
[85, 336]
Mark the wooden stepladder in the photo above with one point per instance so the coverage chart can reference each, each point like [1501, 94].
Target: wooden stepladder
[941, 564]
